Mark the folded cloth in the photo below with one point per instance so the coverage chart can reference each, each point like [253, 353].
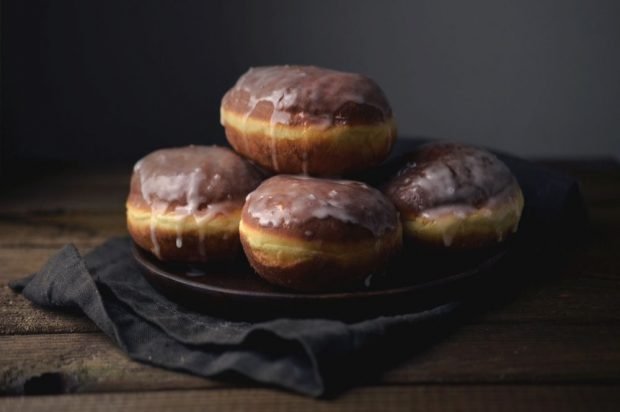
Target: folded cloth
[305, 355]
[315, 357]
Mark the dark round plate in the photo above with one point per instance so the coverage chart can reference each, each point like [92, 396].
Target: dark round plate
[234, 290]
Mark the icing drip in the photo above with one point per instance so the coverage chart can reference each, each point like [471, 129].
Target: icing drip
[304, 97]
[157, 209]
[459, 211]
[167, 189]
[274, 152]
[306, 145]
[214, 210]
[193, 182]
[286, 200]
[448, 178]
[304, 94]
[179, 227]
[448, 237]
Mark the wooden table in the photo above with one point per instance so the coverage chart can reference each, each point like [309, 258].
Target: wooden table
[555, 346]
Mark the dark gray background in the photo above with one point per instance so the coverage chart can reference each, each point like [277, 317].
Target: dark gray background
[112, 80]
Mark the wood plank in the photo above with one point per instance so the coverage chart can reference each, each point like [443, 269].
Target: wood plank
[55, 229]
[16, 263]
[566, 301]
[521, 353]
[396, 398]
[80, 362]
[517, 353]
[19, 316]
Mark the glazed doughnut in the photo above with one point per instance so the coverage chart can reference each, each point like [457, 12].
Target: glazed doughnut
[184, 203]
[308, 120]
[456, 196]
[314, 235]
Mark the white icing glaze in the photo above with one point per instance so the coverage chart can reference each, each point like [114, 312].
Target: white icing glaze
[274, 151]
[284, 200]
[462, 211]
[192, 182]
[459, 211]
[456, 179]
[315, 93]
[448, 179]
[157, 209]
[300, 95]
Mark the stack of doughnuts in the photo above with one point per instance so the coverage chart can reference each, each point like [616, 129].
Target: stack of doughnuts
[306, 227]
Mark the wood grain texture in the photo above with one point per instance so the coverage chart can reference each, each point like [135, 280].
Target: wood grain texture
[583, 299]
[80, 362]
[553, 344]
[393, 398]
[521, 353]
[56, 229]
[16, 263]
[19, 316]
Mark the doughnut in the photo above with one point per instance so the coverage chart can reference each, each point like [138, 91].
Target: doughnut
[455, 197]
[308, 120]
[184, 203]
[313, 235]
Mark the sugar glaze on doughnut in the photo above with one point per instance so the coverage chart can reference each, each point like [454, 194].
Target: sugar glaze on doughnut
[307, 94]
[306, 198]
[450, 181]
[313, 234]
[196, 183]
[300, 98]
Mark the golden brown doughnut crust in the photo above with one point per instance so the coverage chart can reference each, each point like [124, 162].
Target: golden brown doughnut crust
[305, 119]
[456, 196]
[184, 203]
[317, 234]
